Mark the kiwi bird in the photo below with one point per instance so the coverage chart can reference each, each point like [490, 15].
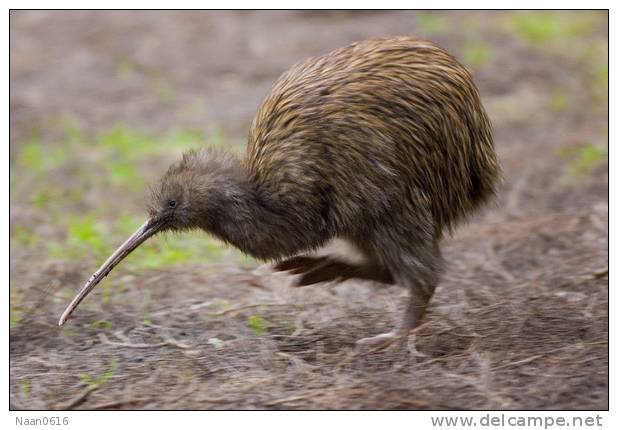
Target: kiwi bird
[384, 144]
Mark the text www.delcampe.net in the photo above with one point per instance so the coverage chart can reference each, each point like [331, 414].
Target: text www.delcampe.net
[502, 420]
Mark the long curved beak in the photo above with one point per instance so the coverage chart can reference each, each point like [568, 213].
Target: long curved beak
[147, 229]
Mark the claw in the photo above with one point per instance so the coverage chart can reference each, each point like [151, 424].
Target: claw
[381, 341]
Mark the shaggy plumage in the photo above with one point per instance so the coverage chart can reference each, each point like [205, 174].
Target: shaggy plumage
[384, 144]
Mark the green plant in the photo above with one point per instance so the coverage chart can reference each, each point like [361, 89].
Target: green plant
[602, 79]
[24, 236]
[588, 157]
[90, 380]
[25, 386]
[258, 324]
[187, 139]
[87, 234]
[16, 315]
[477, 54]
[583, 158]
[42, 198]
[124, 173]
[559, 101]
[32, 156]
[118, 161]
[543, 27]
[38, 158]
[123, 142]
[17, 309]
[104, 325]
[431, 23]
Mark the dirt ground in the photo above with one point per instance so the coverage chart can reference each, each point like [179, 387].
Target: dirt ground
[520, 320]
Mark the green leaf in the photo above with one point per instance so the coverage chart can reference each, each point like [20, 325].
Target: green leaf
[258, 324]
[88, 379]
[477, 54]
[559, 101]
[104, 325]
[431, 23]
[25, 386]
[540, 27]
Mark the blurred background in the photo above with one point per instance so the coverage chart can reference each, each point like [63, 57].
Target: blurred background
[102, 102]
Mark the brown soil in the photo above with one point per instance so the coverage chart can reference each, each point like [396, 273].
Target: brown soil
[520, 320]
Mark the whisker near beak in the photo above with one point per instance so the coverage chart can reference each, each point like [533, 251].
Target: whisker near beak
[148, 229]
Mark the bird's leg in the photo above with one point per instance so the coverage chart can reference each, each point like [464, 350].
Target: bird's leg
[416, 268]
[415, 309]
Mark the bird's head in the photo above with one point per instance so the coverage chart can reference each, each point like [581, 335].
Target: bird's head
[193, 193]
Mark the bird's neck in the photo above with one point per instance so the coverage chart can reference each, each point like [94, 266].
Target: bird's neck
[253, 222]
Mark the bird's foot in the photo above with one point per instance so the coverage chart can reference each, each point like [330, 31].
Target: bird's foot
[382, 341]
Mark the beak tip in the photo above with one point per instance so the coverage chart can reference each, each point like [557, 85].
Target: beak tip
[63, 319]
[147, 229]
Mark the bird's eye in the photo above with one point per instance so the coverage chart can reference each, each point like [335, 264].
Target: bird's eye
[172, 204]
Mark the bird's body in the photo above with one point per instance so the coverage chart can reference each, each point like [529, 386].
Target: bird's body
[380, 129]
[384, 143]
